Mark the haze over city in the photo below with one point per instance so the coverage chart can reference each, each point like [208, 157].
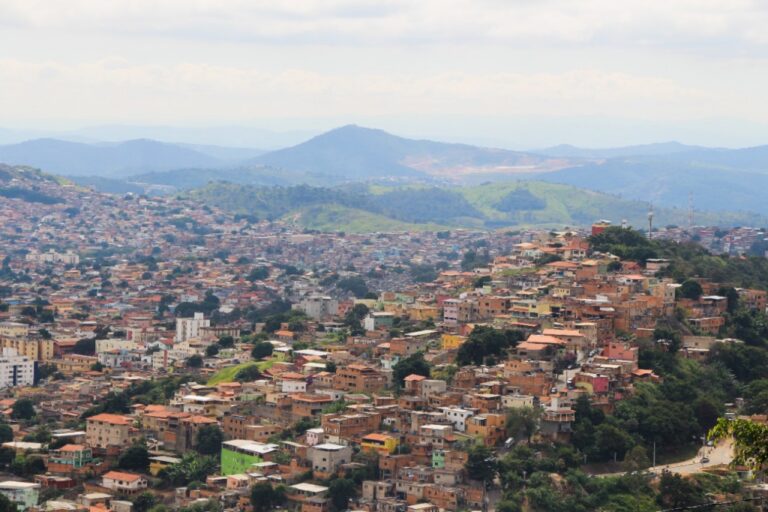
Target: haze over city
[383, 256]
[515, 74]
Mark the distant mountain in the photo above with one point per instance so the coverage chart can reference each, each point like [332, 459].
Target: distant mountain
[224, 153]
[714, 179]
[106, 160]
[357, 153]
[656, 149]
[490, 206]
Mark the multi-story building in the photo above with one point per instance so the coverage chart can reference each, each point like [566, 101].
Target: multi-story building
[23, 494]
[318, 307]
[35, 349]
[110, 431]
[358, 378]
[69, 459]
[328, 457]
[189, 328]
[16, 370]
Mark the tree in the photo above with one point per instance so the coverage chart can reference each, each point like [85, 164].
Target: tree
[340, 491]
[258, 274]
[523, 422]
[194, 361]
[97, 367]
[413, 364]
[261, 350]
[144, 502]
[135, 458]
[611, 441]
[248, 374]
[750, 440]
[209, 439]
[85, 347]
[6, 433]
[211, 350]
[484, 342]
[636, 459]
[23, 409]
[353, 284]
[7, 505]
[264, 497]
[481, 464]
[676, 492]
[691, 289]
[226, 342]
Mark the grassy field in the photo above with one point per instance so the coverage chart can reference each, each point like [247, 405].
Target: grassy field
[228, 374]
[334, 217]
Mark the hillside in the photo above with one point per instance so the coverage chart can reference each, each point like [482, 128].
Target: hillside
[106, 160]
[489, 206]
[670, 181]
[358, 153]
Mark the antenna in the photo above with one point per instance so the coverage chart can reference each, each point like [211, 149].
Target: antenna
[690, 210]
[650, 222]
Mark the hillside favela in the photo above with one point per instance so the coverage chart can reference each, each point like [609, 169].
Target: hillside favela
[369, 256]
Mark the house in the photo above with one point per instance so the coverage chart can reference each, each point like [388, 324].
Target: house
[110, 431]
[126, 483]
[24, 494]
[379, 443]
[69, 458]
[327, 458]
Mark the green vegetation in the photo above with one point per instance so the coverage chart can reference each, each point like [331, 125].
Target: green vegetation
[208, 440]
[411, 365]
[230, 373]
[135, 458]
[358, 208]
[486, 344]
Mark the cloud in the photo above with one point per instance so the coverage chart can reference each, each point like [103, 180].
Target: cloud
[686, 23]
[117, 89]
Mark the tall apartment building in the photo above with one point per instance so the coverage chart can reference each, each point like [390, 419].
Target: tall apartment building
[318, 307]
[16, 370]
[35, 349]
[110, 431]
[189, 328]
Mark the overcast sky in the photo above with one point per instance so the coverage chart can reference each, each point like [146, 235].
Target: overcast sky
[517, 73]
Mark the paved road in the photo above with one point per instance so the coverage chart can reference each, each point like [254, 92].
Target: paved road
[722, 454]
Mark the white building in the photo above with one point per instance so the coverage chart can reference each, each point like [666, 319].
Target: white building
[189, 328]
[67, 258]
[318, 307]
[16, 370]
[23, 494]
[458, 417]
[111, 344]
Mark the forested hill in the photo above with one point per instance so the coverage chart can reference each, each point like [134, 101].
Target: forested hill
[488, 206]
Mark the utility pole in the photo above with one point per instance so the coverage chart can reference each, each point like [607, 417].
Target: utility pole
[654, 454]
[650, 222]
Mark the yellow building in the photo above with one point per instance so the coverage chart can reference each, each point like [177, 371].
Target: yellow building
[452, 341]
[380, 443]
[421, 313]
[37, 350]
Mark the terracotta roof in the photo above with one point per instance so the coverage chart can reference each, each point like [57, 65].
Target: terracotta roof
[119, 475]
[72, 448]
[114, 419]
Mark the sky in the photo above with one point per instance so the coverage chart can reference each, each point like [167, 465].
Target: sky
[511, 73]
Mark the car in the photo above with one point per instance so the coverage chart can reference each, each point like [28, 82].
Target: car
[704, 459]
